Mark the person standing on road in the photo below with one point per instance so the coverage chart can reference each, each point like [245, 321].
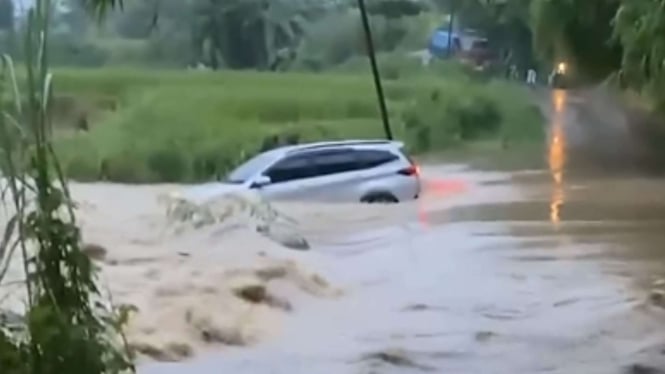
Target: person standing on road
[513, 74]
[531, 77]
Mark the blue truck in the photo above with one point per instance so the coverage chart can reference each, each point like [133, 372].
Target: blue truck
[438, 43]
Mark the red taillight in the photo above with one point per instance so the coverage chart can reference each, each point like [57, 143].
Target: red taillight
[411, 171]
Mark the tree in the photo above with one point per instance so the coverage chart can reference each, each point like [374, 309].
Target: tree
[236, 33]
[639, 26]
[578, 31]
[396, 8]
[7, 15]
[66, 328]
[508, 24]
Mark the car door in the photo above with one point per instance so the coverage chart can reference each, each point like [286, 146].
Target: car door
[287, 177]
[337, 175]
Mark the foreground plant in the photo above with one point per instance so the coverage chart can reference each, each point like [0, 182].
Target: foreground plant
[67, 327]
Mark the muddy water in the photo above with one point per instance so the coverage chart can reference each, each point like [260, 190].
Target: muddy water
[544, 271]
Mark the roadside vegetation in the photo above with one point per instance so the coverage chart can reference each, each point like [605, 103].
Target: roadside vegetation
[300, 82]
[67, 325]
[129, 103]
[138, 126]
[271, 74]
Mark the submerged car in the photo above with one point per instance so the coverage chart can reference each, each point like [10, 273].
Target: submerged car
[369, 171]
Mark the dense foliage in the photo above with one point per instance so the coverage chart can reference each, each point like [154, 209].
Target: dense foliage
[66, 325]
[139, 132]
[6, 15]
[640, 28]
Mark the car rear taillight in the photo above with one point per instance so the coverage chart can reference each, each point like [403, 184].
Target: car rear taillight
[411, 171]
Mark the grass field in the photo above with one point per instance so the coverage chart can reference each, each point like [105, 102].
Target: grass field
[159, 126]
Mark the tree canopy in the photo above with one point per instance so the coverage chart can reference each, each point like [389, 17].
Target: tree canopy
[6, 14]
[596, 37]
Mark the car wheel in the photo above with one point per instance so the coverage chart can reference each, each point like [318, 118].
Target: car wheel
[380, 198]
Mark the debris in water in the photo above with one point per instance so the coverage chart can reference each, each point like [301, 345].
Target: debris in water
[395, 357]
[211, 331]
[254, 293]
[483, 336]
[657, 297]
[422, 308]
[643, 369]
[416, 308]
[288, 238]
[170, 352]
[95, 252]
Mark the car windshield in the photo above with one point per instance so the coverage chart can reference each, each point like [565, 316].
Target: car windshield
[248, 169]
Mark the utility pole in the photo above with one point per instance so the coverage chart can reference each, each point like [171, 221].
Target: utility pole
[453, 9]
[375, 70]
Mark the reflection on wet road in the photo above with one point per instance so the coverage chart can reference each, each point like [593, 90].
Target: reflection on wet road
[556, 155]
[544, 271]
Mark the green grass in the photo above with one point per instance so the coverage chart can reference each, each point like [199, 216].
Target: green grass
[158, 126]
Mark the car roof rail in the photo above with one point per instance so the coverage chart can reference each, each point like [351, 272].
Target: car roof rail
[342, 143]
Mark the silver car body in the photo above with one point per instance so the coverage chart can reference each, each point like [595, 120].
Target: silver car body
[381, 169]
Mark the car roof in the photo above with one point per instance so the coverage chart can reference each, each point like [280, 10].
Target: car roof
[269, 157]
[352, 143]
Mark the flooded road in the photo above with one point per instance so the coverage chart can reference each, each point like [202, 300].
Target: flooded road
[542, 271]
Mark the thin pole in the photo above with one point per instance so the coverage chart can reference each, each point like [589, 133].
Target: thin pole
[449, 52]
[375, 70]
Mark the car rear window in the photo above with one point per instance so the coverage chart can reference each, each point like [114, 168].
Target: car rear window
[370, 158]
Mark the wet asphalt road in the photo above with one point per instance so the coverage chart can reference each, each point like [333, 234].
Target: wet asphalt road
[541, 271]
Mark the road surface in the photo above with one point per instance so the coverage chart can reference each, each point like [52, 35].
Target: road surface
[541, 271]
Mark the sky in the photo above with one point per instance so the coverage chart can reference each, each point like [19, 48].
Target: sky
[22, 5]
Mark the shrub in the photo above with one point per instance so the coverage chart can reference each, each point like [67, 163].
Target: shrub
[190, 126]
[124, 168]
[168, 164]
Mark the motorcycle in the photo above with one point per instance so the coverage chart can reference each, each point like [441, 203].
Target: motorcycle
[558, 78]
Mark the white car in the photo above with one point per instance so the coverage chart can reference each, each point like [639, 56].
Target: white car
[370, 171]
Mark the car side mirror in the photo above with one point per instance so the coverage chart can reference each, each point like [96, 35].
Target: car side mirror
[261, 181]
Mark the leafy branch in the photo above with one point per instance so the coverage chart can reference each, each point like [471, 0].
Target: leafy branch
[67, 328]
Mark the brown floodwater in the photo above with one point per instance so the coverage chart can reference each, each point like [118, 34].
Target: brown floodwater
[536, 271]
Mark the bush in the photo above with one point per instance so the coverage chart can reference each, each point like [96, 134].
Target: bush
[458, 112]
[522, 121]
[191, 126]
[168, 164]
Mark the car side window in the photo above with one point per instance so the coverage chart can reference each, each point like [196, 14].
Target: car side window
[372, 158]
[291, 168]
[333, 162]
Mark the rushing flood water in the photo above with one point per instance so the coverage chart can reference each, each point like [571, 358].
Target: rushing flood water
[545, 271]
